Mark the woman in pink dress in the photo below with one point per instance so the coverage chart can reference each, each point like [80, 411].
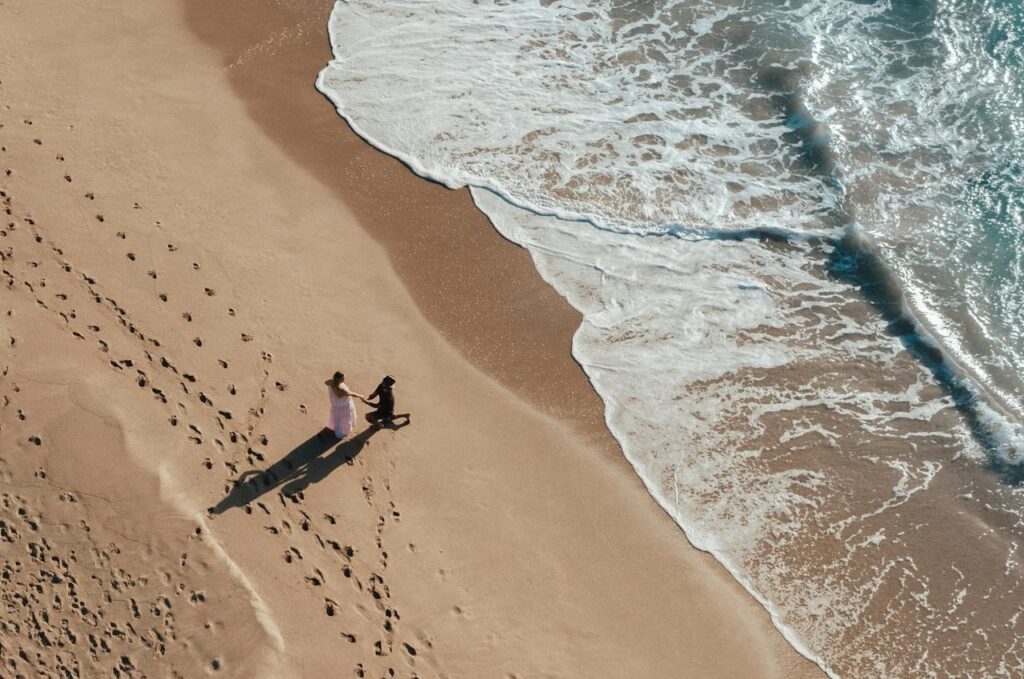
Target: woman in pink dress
[343, 408]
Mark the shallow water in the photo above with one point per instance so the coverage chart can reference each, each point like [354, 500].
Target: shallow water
[793, 231]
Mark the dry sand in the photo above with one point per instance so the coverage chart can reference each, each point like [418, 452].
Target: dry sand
[192, 243]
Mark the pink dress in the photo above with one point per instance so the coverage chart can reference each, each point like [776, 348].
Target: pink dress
[343, 413]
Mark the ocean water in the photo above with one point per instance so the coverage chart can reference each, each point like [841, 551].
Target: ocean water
[794, 232]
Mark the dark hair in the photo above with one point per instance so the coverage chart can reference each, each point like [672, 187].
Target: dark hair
[387, 381]
[338, 377]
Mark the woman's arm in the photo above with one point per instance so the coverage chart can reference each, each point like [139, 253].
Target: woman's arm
[349, 392]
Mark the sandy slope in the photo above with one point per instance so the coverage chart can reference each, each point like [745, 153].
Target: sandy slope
[175, 288]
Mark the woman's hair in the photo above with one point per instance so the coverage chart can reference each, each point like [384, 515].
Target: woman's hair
[338, 377]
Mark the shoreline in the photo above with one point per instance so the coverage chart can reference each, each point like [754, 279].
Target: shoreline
[479, 290]
[223, 277]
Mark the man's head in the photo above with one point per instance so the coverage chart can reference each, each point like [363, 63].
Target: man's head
[388, 381]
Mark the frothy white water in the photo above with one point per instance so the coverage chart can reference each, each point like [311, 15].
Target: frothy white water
[771, 393]
[795, 443]
[574, 109]
[690, 116]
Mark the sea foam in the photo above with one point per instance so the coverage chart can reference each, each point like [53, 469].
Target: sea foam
[779, 224]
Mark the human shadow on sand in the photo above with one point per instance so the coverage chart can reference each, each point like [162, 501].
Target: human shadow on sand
[295, 471]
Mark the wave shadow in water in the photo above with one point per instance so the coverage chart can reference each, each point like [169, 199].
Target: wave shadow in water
[853, 259]
[856, 261]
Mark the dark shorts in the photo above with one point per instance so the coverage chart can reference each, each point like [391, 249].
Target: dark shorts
[380, 415]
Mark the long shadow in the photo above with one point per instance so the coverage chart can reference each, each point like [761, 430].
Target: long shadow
[856, 261]
[298, 469]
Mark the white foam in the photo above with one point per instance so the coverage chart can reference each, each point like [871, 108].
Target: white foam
[637, 152]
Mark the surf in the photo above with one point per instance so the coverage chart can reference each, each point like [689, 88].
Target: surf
[756, 209]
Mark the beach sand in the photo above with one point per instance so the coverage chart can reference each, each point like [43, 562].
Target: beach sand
[193, 241]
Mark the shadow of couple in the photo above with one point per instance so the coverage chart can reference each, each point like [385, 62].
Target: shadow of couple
[303, 466]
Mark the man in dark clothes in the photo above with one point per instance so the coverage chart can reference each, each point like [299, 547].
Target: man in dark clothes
[384, 413]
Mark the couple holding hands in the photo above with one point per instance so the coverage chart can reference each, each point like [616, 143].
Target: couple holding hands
[342, 417]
